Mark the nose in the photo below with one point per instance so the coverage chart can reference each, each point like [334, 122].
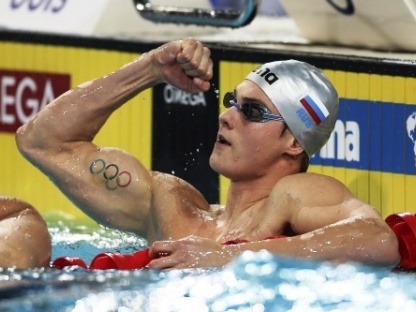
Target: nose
[223, 118]
[227, 117]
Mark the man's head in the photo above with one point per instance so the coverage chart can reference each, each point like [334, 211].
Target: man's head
[304, 97]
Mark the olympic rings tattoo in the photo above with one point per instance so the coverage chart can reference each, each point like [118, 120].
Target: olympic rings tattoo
[113, 178]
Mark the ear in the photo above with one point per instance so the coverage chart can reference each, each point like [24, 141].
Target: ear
[294, 148]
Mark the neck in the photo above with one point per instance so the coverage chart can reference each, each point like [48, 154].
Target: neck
[244, 194]
[244, 210]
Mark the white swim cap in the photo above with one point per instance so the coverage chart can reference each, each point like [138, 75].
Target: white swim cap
[303, 96]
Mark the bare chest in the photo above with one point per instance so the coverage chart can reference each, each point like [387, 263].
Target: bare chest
[253, 224]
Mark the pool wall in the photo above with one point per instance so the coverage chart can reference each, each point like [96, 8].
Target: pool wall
[371, 151]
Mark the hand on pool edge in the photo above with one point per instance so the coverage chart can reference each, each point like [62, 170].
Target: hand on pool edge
[190, 252]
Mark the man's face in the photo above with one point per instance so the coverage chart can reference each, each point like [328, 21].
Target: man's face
[245, 149]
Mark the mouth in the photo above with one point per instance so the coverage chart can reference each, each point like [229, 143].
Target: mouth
[222, 140]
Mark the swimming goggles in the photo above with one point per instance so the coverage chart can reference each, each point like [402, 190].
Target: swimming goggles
[251, 111]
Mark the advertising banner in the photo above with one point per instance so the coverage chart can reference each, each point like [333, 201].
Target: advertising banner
[52, 16]
[24, 93]
[184, 131]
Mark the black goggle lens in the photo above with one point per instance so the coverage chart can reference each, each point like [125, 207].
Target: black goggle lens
[250, 111]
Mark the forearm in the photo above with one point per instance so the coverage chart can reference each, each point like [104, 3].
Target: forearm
[366, 241]
[79, 114]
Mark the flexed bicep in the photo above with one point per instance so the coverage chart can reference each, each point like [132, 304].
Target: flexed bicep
[108, 184]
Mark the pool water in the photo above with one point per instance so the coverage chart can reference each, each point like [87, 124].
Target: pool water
[253, 282]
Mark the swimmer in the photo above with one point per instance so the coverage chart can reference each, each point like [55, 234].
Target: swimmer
[24, 238]
[277, 118]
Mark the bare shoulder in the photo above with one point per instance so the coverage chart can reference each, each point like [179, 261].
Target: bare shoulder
[312, 187]
[307, 178]
[167, 187]
[11, 206]
[30, 245]
[175, 201]
[310, 201]
[21, 211]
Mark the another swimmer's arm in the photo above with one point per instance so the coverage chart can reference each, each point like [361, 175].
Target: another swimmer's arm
[24, 237]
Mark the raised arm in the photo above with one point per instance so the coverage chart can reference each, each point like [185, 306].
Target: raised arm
[24, 237]
[108, 184]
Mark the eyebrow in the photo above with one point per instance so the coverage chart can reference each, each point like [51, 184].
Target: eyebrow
[246, 99]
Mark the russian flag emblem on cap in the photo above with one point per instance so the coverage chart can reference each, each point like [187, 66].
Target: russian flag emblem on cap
[315, 108]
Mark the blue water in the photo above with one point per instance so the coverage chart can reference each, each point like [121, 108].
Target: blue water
[253, 282]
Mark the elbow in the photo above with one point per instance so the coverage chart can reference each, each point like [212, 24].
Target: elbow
[23, 142]
[26, 141]
[376, 245]
[386, 253]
